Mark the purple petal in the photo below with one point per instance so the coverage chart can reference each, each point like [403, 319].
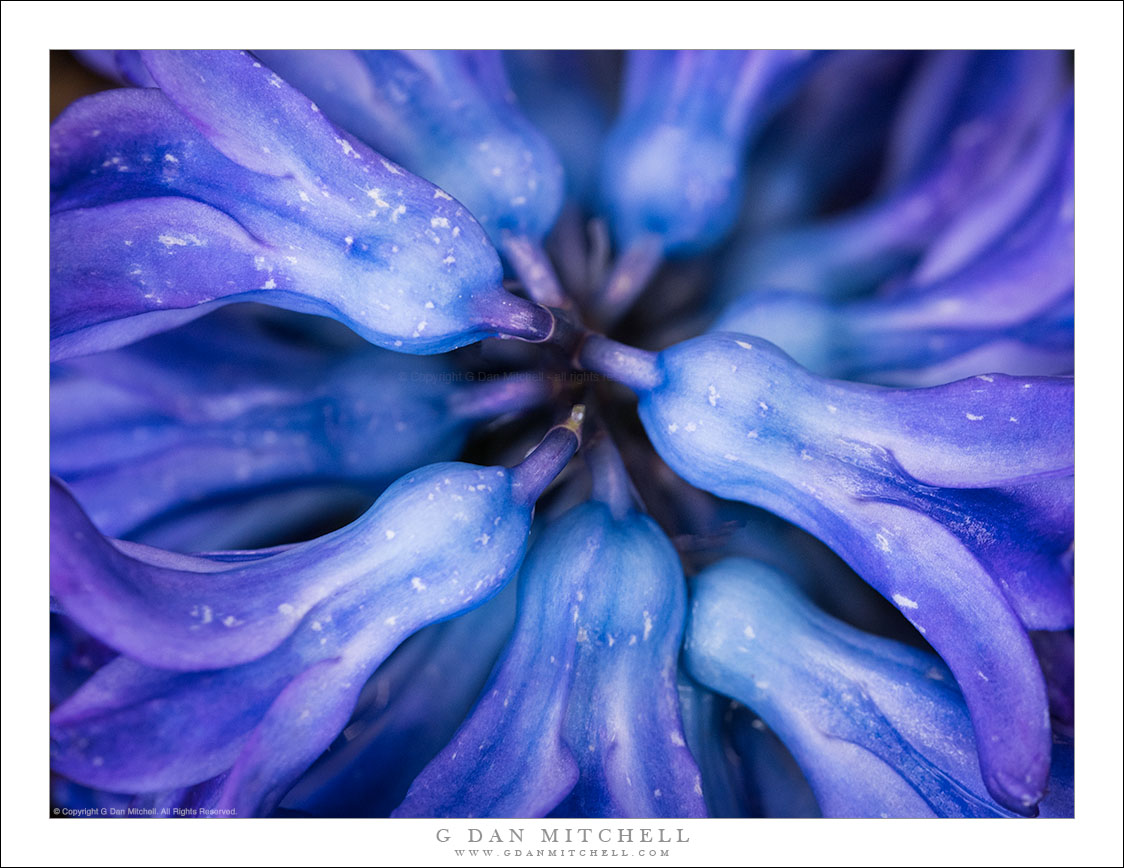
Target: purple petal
[126, 270]
[304, 217]
[876, 726]
[123, 67]
[459, 150]
[408, 711]
[269, 718]
[596, 730]
[672, 165]
[993, 100]
[859, 467]
[191, 419]
[202, 612]
[1055, 652]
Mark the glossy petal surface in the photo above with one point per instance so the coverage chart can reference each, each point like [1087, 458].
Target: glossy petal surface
[595, 731]
[194, 196]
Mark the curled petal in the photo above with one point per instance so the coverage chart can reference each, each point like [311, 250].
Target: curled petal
[1012, 306]
[723, 780]
[259, 521]
[253, 419]
[946, 154]
[819, 151]
[306, 217]
[777, 787]
[878, 728]
[565, 97]
[596, 731]
[671, 173]
[672, 164]
[903, 487]
[1055, 652]
[459, 127]
[267, 719]
[408, 711]
[440, 540]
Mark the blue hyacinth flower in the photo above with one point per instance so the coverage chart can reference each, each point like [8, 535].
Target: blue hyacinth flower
[889, 218]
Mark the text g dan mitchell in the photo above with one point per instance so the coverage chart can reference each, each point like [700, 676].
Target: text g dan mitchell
[580, 835]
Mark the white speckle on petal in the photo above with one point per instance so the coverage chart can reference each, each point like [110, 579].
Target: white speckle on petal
[973, 417]
[173, 241]
[391, 534]
[904, 601]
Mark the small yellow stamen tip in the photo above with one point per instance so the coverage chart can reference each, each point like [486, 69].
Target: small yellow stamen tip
[577, 416]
